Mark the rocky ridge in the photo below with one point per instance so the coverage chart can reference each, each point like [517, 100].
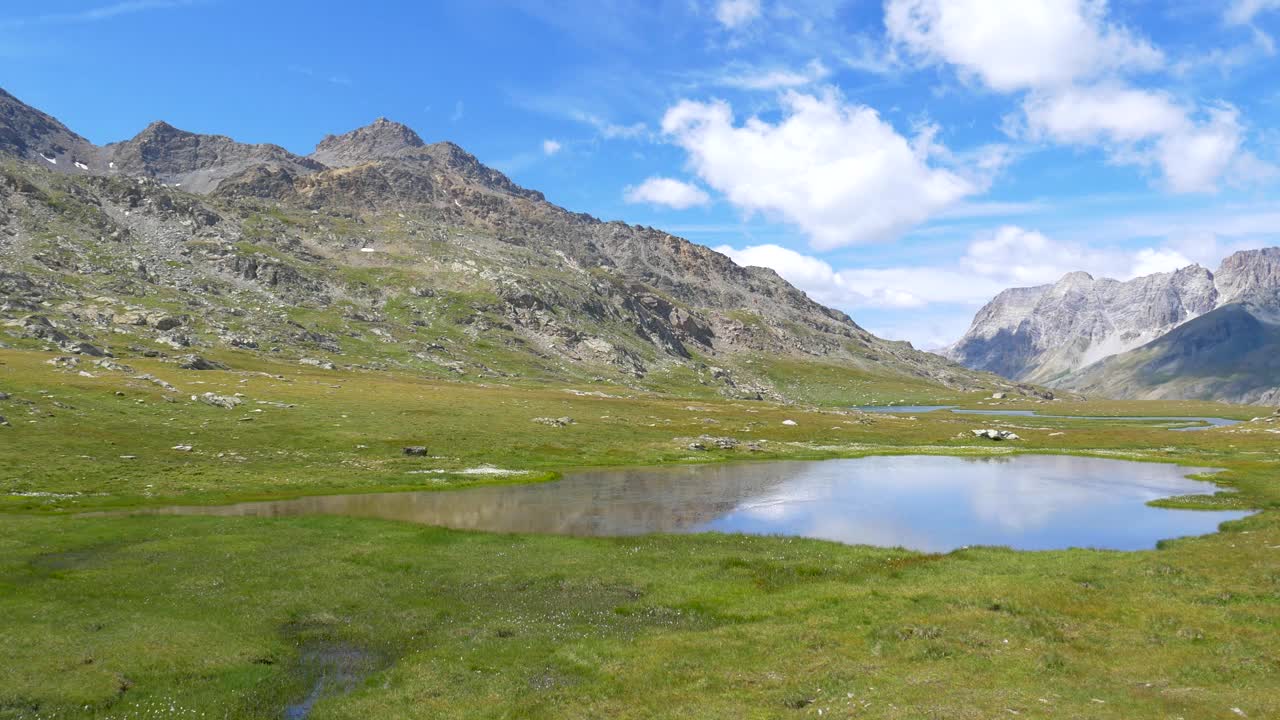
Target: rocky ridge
[1192, 328]
[399, 254]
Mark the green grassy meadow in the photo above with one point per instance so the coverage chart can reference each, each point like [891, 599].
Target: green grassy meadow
[129, 616]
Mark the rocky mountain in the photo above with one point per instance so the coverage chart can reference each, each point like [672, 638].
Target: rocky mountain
[1185, 334]
[197, 163]
[382, 251]
[31, 135]
[380, 140]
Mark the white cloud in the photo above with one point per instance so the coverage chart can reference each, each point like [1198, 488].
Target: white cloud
[905, 287]
[1195, 157]
[1149, 261]
[551, 147]
[1019, 45]
[1149, 128]
[1010, 256]
[610, 130]
[836, 170]
[932, 305]
[1242, 12]
[668, 192]
[1015, 256]
[1104, 113]
[102, 12]
[1069, 57]
[736, 13]
[776, 79]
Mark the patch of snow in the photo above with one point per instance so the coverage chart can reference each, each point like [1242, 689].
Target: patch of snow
[482, 470]
[367, 250]
[40, 494]
[81, 165]
[53, 161]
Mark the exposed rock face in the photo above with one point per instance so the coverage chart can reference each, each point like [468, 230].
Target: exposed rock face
[197, 163]
[1185, 334]
[1248, 273]
[31, 135]
[403, 254]
[381, 140]
[1040, 334]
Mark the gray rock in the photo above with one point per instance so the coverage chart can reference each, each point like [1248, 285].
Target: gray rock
[84, 348]
[154, 381]
[415, 450]
[168, 322]
[195, 362]
[227, 402]
[554, 422]
[112, 365]
[995, 434]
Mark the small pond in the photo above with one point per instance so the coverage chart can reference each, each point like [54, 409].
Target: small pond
[923, 502]
[1200, 423]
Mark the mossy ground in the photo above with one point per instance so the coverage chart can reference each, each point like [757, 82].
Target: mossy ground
[143, 616]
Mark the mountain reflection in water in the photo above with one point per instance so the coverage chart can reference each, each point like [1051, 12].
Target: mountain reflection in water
[931, 503]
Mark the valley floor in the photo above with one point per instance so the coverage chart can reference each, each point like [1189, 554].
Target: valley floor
[119, 616]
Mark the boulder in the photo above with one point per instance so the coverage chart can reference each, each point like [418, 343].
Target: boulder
[415, 451]
[195, 362]
[84, 348]
[168, 322]
[223, 401]
[995, 434]
[555, 422]
[109, 364]
[154, 381]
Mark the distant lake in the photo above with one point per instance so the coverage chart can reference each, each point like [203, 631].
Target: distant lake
[924, 502]
[1210, 422]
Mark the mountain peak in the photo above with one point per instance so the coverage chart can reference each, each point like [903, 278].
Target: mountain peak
[380, 139]
[195, 162]
[1075, 278]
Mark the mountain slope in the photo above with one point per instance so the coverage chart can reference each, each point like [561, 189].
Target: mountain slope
[1041, 334]
[1227, 354]
[1185, 334]
[28, 134]
[408, 255]
[197, 163]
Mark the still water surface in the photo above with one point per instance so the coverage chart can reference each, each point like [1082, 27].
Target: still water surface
[930, 503]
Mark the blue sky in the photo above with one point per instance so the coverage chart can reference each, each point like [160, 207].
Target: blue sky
[901, 160]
